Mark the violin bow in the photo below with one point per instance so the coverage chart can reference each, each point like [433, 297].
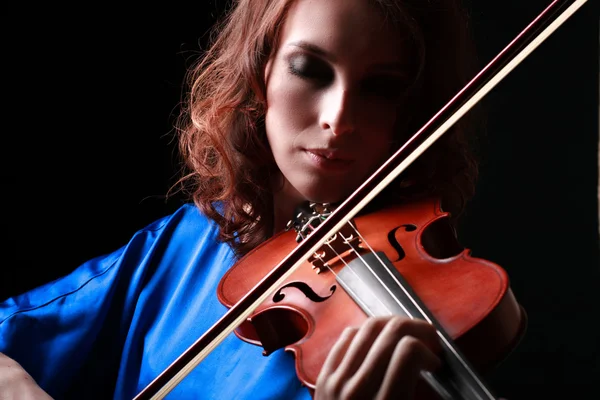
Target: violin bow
[516, 51]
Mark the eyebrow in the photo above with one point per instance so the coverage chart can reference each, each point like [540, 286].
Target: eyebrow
[393, 66]
[313, 49]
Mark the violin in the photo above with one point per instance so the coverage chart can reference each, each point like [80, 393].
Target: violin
[375, 266]
[341, 264]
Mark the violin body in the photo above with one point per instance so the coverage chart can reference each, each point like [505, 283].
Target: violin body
[469, 297]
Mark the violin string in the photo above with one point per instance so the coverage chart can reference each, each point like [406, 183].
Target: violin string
[389, 290]
[426, 375]
[432, 380]
[441, 390]
[369, 268]
[355, 295]
[425, 316]
[366, 264]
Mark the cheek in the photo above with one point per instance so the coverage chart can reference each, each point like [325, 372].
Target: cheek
[384, 113]
[288, 105]
[379, 125]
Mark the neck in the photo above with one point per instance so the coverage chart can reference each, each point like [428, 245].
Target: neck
[283, 209]
[285, 202]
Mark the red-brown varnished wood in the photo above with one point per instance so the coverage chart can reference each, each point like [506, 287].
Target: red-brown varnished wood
[470, 297]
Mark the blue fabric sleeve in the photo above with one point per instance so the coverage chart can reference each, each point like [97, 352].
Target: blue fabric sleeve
[110, 327]
[54, 330]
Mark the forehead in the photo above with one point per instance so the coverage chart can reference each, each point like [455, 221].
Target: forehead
[354, 29]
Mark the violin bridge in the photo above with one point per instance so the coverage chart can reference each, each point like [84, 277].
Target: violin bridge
[306, 221]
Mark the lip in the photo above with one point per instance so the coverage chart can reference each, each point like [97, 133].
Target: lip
[330, 160]
[330, 154]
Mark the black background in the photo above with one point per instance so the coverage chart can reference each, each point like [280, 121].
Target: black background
[87, 158]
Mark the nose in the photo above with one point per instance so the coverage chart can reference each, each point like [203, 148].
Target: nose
[337, 112]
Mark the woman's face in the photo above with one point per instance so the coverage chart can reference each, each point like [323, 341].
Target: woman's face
[333, 89]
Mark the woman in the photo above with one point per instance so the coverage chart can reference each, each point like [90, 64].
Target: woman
[292, 96]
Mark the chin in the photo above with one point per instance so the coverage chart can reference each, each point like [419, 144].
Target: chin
[318, 190]
[334, 196]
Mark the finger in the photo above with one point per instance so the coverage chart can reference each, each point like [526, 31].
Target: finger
[345, 357]
[16, 383]
[410, 357]
[336, 354]
[360, 345]
[369, 376]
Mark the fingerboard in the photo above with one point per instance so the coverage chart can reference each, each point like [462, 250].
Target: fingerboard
[380, 290]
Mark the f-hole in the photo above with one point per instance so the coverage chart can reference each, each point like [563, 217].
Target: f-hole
[394, 242]
[304, 288]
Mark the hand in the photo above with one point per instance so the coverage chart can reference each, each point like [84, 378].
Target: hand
[382, 359]
[16, 383]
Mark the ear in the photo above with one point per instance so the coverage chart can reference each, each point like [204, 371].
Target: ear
[267, 70]
[266, 76]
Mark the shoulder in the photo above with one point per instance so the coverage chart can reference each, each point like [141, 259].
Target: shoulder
[187, 216]
[186, 224]
[161, 249]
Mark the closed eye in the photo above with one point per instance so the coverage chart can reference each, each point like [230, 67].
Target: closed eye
[310, 68]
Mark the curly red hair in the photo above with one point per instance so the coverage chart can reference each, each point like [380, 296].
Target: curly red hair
[222, 139]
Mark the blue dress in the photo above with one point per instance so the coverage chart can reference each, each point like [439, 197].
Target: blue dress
[110, 327]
